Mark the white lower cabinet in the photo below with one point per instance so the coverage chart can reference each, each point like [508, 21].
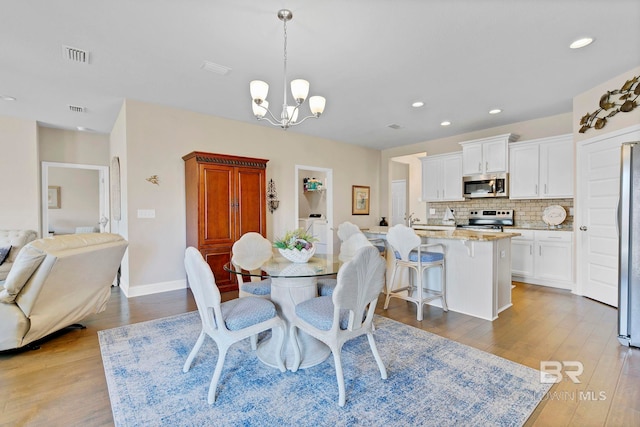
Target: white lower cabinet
[543, 258]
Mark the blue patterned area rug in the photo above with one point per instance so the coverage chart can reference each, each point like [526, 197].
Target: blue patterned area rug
[432, 381]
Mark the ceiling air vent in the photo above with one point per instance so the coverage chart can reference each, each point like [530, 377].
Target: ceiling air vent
[394, 126]
[74, 54]
[76, 109]
[215, 68]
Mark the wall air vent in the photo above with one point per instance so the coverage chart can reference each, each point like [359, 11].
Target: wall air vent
[394, 126]
[77, 109]
[74, 54]
[215, 68]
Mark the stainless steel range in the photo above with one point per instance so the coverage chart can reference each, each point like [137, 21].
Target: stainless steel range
[489, 220]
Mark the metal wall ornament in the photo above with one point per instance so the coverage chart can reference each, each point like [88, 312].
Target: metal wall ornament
[611, 103]
[272, 196]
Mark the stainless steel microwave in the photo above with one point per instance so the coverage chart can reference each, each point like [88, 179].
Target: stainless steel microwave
[493, 185]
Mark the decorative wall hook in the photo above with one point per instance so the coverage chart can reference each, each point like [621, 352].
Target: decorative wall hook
[272, 196]
[154, 179]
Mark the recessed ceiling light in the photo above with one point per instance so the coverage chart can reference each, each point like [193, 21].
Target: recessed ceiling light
[495, 111]
[7, 98]
[585, 41]
[83, 129]
[417, 104]
[445, 123]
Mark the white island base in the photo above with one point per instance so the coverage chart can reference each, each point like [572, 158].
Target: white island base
[478, 275]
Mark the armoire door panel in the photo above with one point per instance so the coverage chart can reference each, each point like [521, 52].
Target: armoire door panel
[218, 205]
[251, 208]
[216, 258]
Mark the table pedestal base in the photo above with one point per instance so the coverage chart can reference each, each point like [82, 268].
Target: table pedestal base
[285, 294]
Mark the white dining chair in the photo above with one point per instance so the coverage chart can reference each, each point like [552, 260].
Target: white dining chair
[352, 240]
[228, 322]
[339, 318]
[411, 254]
[249, 253]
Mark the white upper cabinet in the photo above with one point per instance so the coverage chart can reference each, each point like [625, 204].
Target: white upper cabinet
[442, 178]
[542, 168]
[487, 155]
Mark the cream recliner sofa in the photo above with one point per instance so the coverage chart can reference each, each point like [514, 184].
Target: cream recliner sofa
[55, 282]
[16, 239]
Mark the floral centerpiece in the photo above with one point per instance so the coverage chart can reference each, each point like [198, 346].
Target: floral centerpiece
[296, 245]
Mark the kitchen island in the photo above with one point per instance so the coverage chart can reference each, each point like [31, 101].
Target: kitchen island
[478, 269]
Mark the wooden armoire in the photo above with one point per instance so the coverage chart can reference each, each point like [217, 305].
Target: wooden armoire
[225, 198]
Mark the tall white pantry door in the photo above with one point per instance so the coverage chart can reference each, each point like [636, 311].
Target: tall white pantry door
[598, 189]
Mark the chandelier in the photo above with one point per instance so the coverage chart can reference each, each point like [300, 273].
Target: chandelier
[299, 90]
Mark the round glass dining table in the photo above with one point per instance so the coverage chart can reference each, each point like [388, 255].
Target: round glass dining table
[292, 283]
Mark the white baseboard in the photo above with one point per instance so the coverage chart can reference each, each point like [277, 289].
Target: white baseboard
[153, 288]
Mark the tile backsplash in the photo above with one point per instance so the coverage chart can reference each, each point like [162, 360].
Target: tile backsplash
[526, 213]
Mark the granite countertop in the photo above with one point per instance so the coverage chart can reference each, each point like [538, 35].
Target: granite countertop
[453, 234]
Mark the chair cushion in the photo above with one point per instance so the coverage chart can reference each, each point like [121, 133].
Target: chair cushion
[262, 287]
[241, 313]
[425, 256]
[318, 312]
[326, 287]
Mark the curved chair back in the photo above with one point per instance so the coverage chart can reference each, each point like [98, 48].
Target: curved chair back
[360, 282]
[203, 285]
[353, 244]
[403, 240]
[251, 251]
[346, 230]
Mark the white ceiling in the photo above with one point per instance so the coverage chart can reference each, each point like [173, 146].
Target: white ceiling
[370, 58]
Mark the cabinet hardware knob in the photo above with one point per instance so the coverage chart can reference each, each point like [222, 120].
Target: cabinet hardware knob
[583, 228]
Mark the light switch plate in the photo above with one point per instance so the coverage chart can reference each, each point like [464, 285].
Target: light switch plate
[146, 213]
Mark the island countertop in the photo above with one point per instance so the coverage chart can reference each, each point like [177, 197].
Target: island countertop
[453, 233]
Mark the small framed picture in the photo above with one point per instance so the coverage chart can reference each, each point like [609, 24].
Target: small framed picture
[53, 197]
[360, 200]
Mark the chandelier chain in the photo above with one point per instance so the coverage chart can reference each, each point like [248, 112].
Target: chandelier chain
[284, 93]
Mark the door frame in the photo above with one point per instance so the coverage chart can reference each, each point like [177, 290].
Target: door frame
[328, 186]
[579, 245]
[103, 188]
[398, 181]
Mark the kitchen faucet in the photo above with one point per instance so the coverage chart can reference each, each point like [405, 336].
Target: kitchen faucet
[410, 219]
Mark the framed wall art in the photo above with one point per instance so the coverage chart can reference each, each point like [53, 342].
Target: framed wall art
[53, 197]
[360, 200]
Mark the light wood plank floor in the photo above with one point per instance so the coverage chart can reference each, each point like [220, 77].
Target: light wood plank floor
[63, 384]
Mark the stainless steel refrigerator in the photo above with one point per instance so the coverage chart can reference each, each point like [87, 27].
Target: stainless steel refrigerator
[629, 249]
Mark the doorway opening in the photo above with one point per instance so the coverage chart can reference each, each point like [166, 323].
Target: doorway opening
[314, 205]
[405, 179]
[79, 198]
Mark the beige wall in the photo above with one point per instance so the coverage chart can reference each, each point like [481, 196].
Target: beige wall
[20, 183]
[80, 201]
[152, 139]
[70, 146]
[531, 129]
[588, 102]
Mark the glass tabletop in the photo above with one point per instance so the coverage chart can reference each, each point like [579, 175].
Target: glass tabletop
[277, 266]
